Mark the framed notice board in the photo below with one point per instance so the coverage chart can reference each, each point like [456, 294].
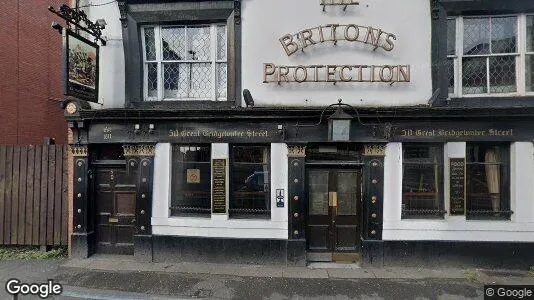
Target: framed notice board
[218, 186]
[457, 186]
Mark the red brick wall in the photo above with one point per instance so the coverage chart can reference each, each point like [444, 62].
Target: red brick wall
[30, 73]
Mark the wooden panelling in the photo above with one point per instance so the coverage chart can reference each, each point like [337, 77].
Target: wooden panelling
[33, 195]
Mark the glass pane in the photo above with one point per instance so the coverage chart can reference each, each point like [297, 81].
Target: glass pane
[451, 37]
[150, 44]
[422, 178]
[450, 74]
[176, 80]
[530, 73]
[474, 75]
[484, 177]
[347, 193]
[187, 80]
[221, 42]
[502, 74]
[152, 79]
[318, 191]
[476, 36]
[198, 43]
[251, 191]
[191, 188]
[192, 153]
[250, 154]
[222, 81]
[504, 35]
[173, 42]
[530, 33]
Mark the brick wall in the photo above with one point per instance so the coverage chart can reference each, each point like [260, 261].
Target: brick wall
[30, 73]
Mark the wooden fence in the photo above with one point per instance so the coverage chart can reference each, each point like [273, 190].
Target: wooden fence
[33, 195]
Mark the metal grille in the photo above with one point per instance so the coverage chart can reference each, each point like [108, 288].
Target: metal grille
[502, 74]
[474, 75]
[221, 80]
[504, 35]
[530, 55]
[221, 42]
[476, 36]
[450, 74]
[199, 42]
[150, 44]
[187, 80]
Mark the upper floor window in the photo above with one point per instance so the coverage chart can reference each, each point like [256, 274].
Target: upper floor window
[422, 181]
[185, 62]
[490, 55]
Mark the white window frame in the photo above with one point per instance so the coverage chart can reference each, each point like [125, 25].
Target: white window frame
[520, 59]
[525, 54]
[159, 60]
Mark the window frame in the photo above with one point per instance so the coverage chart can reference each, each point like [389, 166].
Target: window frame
[505, 184]
[160, 61]
[232, 187]
[208, 212]
[520, 58]
[527, 53]
[423, 213]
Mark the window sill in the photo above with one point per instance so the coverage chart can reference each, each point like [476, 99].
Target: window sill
[182, 104]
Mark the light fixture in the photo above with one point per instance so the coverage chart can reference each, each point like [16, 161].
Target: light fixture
[339, 126]
[249, 101]
[101, 23]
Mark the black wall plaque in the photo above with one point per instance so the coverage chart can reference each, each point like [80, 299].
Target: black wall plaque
[218, 186]
[457, 185]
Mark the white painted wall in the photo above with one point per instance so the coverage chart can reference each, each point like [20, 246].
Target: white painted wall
[111, 80]
[519, 229]
[218, 225]
[264, 22]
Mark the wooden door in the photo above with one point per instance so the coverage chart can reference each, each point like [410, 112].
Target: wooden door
[115, 194]
[334, 210]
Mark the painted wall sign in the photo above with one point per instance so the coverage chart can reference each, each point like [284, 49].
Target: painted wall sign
[218, 196]
[457, 186]
[80, 71]
[343, 3]
[193, 175]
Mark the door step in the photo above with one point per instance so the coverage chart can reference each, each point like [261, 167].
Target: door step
[339, 257]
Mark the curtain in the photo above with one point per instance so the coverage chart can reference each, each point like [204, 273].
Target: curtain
[493, 177]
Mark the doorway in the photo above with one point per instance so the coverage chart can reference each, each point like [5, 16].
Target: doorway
[334, 213]
[114, 199]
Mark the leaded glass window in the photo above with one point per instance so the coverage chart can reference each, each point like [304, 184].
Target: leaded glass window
[185, 62]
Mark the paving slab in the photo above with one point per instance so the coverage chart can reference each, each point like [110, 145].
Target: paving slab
[304, 273]
[350, 273]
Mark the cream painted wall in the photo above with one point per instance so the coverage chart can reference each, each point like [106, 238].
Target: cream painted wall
[218, 225]
[111, 75]
[519, 229]
[264, 22]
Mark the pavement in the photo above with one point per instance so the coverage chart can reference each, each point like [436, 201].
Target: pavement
[120, 277]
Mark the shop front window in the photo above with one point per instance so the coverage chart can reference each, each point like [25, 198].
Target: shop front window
[488, 190]
[250, 182]
[191, 180]
[422, 181]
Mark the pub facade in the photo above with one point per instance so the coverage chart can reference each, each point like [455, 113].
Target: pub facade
[286, 132]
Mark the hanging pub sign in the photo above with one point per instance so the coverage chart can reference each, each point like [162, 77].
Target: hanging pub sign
[80, 71]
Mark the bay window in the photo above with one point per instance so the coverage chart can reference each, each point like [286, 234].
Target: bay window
[185, 62]
[490, 55]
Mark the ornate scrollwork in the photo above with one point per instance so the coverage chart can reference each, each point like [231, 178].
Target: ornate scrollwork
[374, 150]
[79, 151]
[123, 10]
[296, 151]
[139, 150]
[76, 18]
[237, 12]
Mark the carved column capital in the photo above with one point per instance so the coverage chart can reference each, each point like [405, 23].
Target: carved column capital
[296, 151]
[79, 151]
[375, 150]
[139, 150]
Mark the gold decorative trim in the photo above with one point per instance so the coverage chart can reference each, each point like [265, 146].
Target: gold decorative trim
[139, 150]
[374, 150]
[296, 151]
[79, 151]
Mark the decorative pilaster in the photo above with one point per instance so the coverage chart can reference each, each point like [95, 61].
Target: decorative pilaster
[296, 205]
[373, 191]
[81, 243]
[237, 12]
[123, 6]
[140, 160]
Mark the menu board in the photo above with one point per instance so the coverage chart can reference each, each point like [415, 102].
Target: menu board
[457, 186]
[218, 186]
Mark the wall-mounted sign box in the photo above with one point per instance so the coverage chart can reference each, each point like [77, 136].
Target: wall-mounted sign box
[80, 67]
[457, 185]
[218, 186]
